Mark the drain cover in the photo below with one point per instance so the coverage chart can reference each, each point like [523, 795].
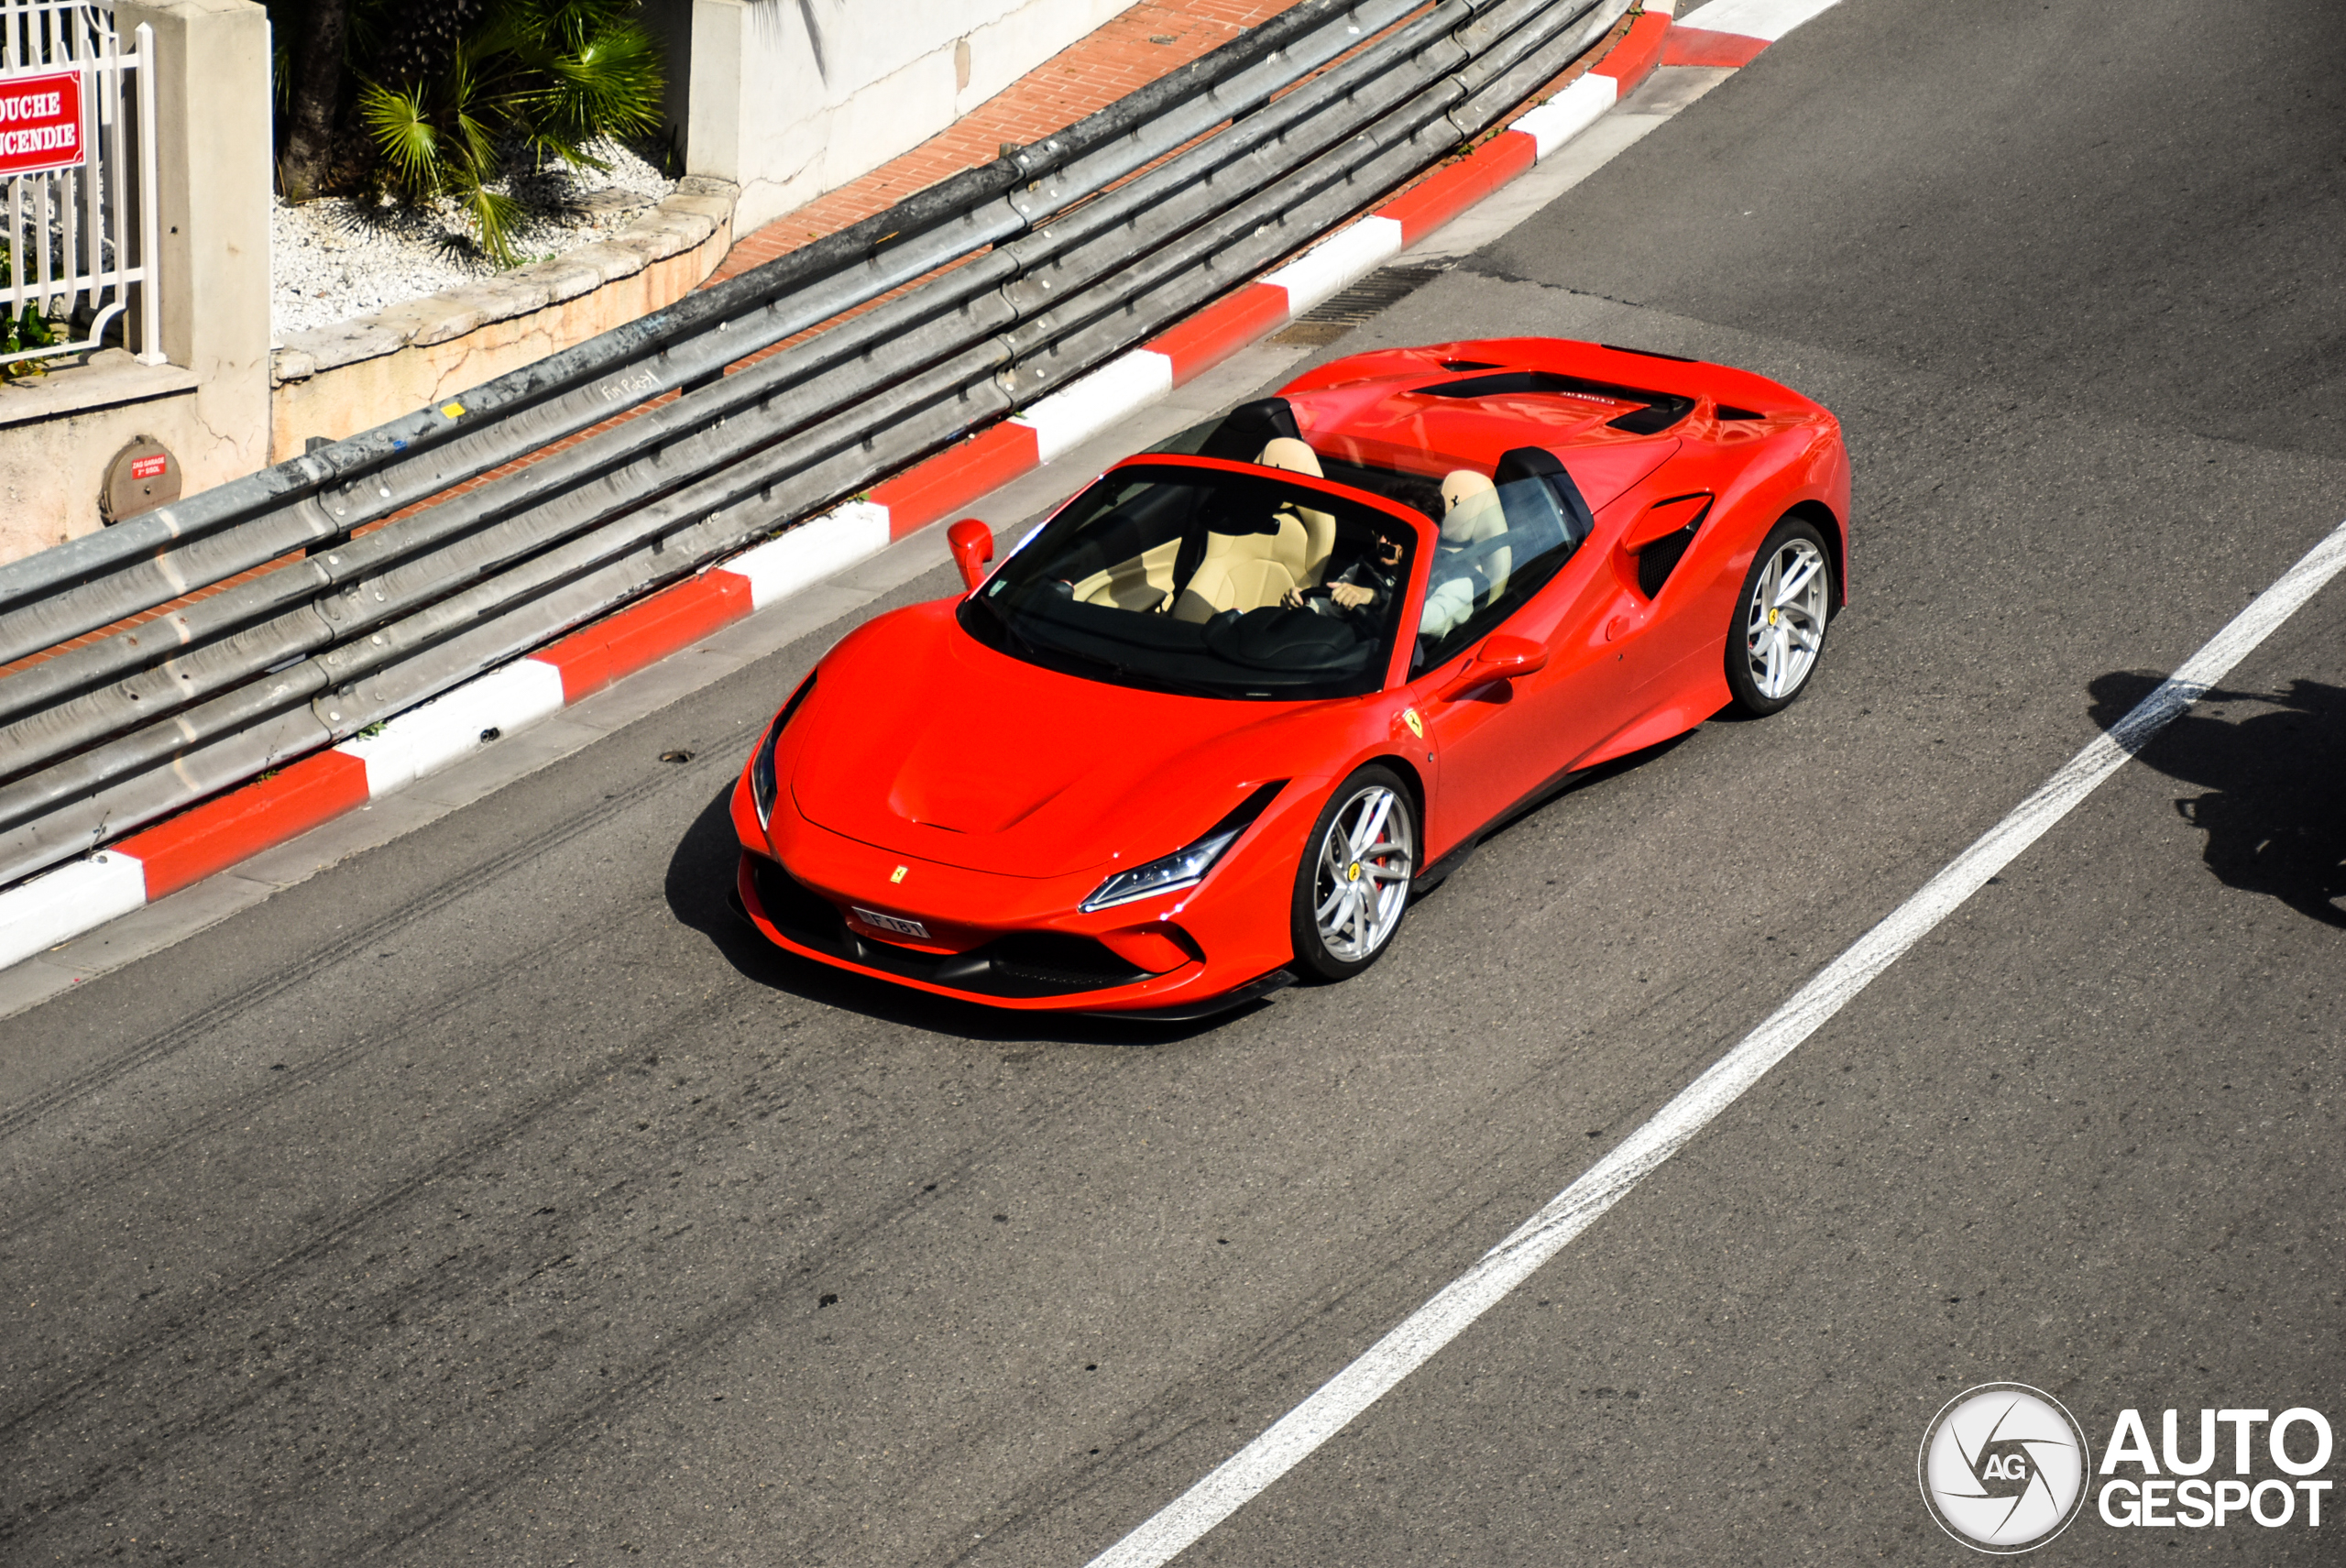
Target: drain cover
[1348, 307]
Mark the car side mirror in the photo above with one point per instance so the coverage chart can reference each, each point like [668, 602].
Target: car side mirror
[1501, 657]
[972, 545]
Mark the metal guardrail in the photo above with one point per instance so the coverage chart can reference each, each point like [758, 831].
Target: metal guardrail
[1054, 258]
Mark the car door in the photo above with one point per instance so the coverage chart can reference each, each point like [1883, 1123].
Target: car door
[1504, 567]
[1598, 621]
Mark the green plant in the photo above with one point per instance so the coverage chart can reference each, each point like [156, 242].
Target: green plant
[367, 732]
[545, 78]
[25, 329]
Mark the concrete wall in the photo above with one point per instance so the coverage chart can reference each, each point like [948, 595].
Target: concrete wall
[210, 405]
[790, 98]
[59, 433]
[337, 381]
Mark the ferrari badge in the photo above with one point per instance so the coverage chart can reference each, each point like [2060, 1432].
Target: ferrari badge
[898, 874]
[1416, 725]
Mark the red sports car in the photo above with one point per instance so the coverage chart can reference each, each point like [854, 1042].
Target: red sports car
[1205, 731]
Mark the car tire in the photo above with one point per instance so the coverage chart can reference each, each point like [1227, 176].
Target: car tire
[1776, 635]
[1352, 884]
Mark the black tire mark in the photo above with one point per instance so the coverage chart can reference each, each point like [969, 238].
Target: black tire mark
[682, 1344]
[121, 1362]
[221, 1013]
[21, 1221]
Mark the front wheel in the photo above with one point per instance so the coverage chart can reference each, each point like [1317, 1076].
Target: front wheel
[1354, 884]
[1778, 634]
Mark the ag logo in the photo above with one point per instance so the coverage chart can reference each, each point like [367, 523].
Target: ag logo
[2003, 1468]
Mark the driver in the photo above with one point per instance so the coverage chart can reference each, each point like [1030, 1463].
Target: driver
[1367, 584]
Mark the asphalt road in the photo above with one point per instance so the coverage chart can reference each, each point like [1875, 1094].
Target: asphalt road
[489, 1197]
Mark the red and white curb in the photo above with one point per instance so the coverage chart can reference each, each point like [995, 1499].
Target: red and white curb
[41, 913]
[58, 905]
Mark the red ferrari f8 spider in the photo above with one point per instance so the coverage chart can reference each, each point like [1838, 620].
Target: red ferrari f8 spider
[1205, 731]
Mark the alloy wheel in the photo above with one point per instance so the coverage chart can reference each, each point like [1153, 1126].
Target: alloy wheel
[1783, 629]
[1361, 883]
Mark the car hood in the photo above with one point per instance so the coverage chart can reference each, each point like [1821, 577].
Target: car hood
[922, 741]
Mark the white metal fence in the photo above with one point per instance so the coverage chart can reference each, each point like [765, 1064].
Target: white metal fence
[77, 181]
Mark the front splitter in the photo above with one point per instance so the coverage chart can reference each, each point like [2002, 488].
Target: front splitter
[739, 895]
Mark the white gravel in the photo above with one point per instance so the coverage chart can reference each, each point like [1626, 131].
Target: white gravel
[338, 257]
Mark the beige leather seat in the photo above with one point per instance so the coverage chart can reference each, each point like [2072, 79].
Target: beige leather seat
[1471, 515]
[1240, 572]
[1304, 547]
[1142, 583]
[1250, 571]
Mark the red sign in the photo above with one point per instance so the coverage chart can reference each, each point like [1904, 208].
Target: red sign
[149, 468]
[40, 122]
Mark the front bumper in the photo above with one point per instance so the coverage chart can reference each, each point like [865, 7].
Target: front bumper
[1014, 942]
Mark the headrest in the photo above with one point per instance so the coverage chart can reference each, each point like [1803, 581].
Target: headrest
[1470, 508]
[1286, 451]
[1525, 462]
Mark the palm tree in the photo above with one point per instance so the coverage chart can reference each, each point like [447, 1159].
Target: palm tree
[549, 77]
[315, 92]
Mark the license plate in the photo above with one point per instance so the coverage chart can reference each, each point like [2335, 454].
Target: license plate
[896, 923]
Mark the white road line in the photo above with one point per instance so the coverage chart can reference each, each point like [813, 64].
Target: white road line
[1405, 1348]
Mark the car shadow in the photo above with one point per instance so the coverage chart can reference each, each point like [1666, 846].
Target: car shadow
[2272, 784]
[700, 875]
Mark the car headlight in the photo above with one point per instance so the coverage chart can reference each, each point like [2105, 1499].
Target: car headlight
[763, 787]
[1187, 866]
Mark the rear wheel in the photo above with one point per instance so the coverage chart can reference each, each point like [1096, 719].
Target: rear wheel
[1778, 634]
[1354, 884]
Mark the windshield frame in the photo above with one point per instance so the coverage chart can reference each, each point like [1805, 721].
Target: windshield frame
[987, 625]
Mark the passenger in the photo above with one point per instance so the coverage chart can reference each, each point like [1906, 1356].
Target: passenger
[1471, 562]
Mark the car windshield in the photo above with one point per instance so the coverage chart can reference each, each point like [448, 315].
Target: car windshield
[1507, 521]
[1244, 586]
